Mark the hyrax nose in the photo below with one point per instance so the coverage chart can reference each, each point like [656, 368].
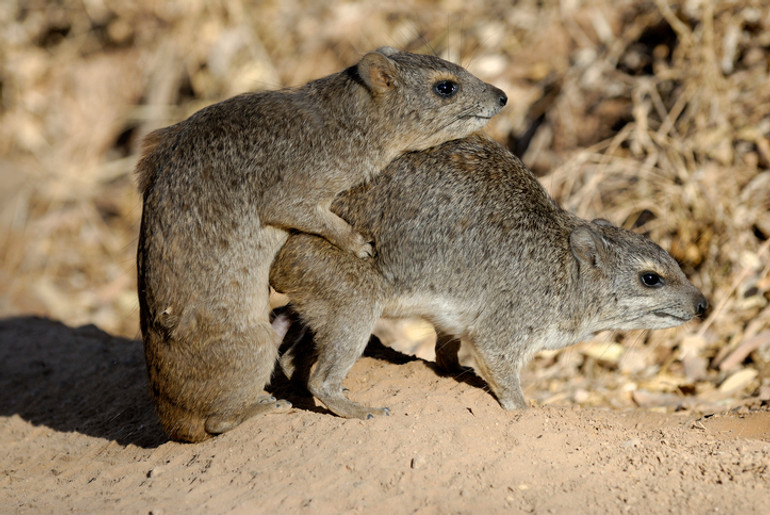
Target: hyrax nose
[502, 98]
[701, 305]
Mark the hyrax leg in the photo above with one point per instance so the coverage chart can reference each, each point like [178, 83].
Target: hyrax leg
[248, 347]
[499, 366]
[209, 344]
[338, 297]
[224, 417]
[211, 389]
[338, 347]
[312, 217]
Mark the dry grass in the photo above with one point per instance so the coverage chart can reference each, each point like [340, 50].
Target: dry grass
[653, 114]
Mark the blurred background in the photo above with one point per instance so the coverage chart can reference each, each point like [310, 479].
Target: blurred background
[653, 114]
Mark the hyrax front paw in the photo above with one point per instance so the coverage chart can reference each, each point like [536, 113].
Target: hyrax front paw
[364, 250]
[355, 243]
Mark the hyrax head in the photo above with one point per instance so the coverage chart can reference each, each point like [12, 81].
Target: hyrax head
[633, 283]
[425, 100]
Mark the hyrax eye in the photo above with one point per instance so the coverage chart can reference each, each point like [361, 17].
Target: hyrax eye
[651, 279]
[446, 88]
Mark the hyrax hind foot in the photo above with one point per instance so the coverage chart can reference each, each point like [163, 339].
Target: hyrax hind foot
[217, 424]
[344, 407]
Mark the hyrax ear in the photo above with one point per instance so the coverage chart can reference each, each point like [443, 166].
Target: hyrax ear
[602, 221]
[588, 246]
[378, 71]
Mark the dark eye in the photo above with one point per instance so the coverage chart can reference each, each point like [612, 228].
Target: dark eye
[446, 88]
[651, 279]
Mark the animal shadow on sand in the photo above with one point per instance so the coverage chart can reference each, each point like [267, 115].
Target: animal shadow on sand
[84, 380]
[79, 379]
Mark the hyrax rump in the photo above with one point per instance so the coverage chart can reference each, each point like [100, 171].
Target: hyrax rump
[222, 188]
[467, 238]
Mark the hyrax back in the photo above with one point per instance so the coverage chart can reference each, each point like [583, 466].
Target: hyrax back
[222, 188]
[467, 238]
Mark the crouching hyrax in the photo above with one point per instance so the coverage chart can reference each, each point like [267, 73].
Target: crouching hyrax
[222, 188]
[468, 238]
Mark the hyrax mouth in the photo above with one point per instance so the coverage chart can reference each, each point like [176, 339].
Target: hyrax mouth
[475, 117]
[663, 314]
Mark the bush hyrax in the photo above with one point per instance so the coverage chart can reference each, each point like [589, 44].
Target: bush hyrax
[468, 238]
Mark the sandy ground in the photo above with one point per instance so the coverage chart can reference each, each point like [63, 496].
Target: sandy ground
[79, 434]
[650, 113]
